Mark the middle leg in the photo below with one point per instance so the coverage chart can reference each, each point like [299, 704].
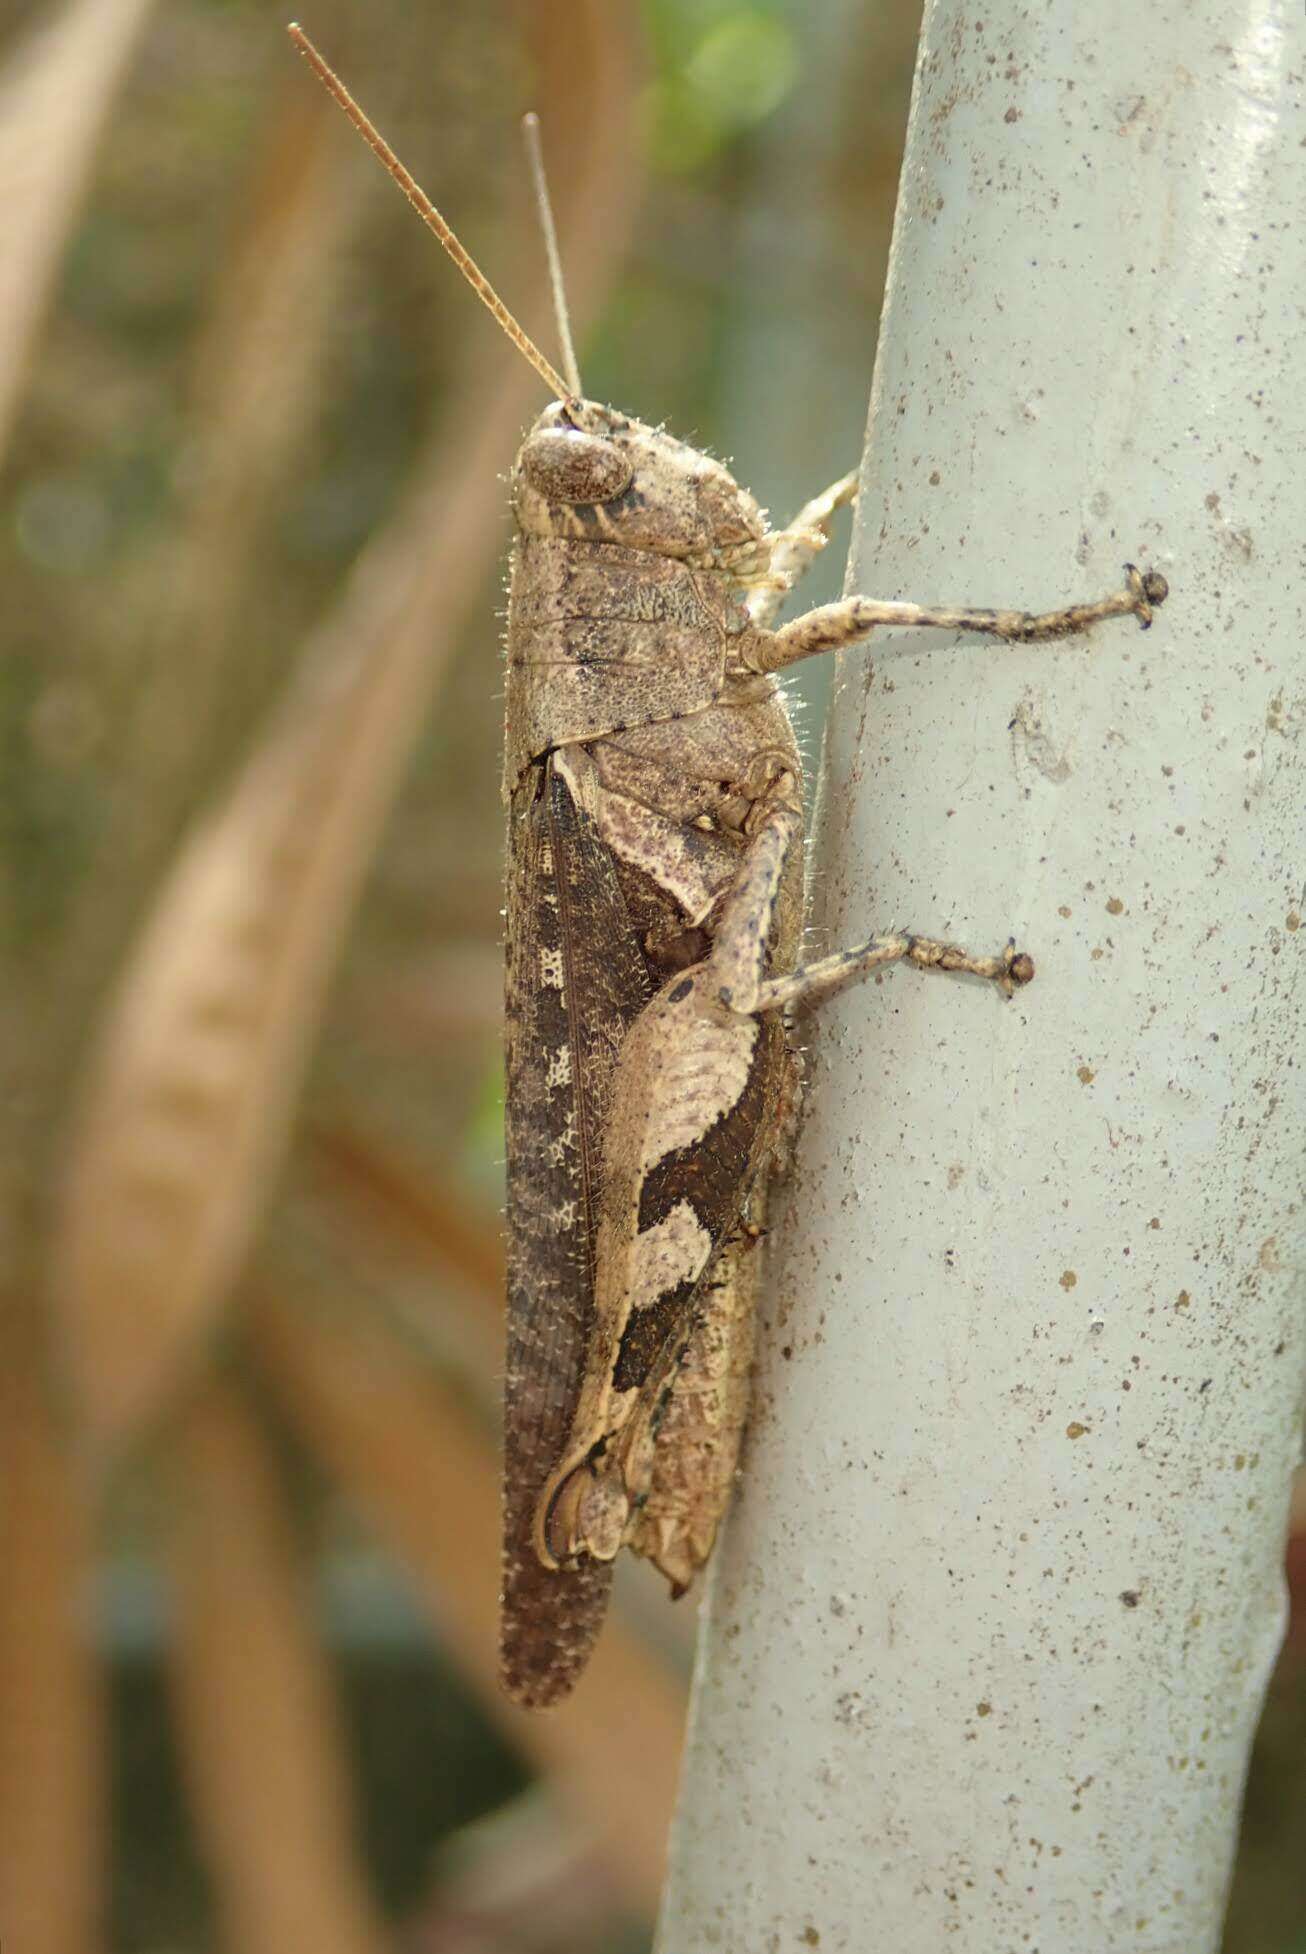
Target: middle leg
[735, 970]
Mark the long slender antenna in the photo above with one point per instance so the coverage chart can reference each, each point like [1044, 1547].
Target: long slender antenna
[535, 154]
[430, 216]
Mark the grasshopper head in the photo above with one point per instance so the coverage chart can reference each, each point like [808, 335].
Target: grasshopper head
[585, 471]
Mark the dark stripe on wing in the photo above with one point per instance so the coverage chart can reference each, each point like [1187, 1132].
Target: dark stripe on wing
[566, 913]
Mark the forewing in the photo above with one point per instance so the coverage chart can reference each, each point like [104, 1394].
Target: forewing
[577, 979]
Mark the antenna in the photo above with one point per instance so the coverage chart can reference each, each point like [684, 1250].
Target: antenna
[535, 155]
[430, 216]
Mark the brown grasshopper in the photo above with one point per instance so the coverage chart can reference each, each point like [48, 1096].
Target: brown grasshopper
[655, 919]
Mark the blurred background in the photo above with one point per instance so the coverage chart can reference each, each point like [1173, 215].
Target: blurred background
[253, 535]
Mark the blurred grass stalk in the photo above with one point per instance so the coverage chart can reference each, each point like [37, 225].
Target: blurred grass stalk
[55, 94]
[53, 1767]
[263, 1758]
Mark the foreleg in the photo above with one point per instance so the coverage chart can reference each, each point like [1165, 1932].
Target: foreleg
[795, 548]
[831, 627]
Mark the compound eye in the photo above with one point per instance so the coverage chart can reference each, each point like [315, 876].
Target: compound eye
[563, 464]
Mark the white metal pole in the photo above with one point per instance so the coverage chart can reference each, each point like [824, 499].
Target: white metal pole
[994, 1614]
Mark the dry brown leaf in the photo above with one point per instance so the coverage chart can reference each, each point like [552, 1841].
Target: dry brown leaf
[53, 1828]
[261, 1748]
[191, 1089]
[55, 93]
[405, 1450]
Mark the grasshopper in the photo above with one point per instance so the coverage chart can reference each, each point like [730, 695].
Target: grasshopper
[655, 919]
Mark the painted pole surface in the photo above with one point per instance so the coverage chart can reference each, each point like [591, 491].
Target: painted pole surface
[994, 1614]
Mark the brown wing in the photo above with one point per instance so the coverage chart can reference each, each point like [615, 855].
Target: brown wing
[577, 979]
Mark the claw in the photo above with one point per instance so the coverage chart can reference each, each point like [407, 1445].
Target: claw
[1147, 592]
[1017, 969]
